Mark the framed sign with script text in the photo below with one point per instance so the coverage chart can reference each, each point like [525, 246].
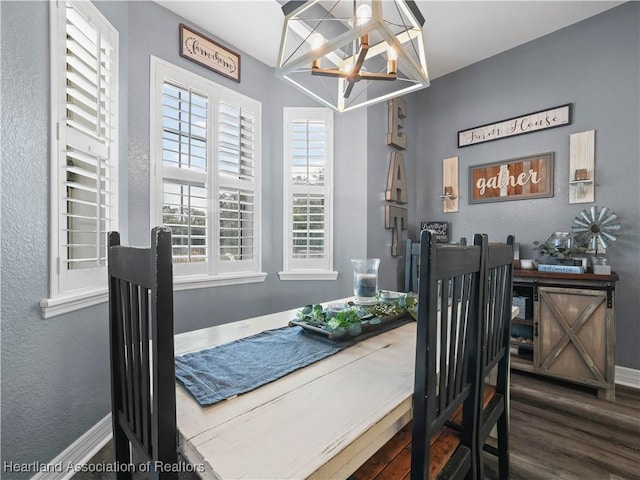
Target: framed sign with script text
[531, 122]
[517, 179]
[204, 51]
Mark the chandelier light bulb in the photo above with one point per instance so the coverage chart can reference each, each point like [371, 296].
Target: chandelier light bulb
[316, 41]
[346, 67]
[363, 14]
[392, 61]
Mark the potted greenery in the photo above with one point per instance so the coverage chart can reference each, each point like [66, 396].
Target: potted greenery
[558, 249]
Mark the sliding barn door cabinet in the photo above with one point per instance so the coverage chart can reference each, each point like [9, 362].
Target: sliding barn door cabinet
[566, 327]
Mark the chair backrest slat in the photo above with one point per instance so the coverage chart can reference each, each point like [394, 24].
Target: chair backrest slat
[411, 266]
[145, 371]
[497, 316]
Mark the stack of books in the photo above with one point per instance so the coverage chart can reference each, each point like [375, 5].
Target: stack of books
[560, 268]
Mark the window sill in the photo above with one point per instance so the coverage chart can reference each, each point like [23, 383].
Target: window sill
[219, 280]
[308, 275]
[52, 307]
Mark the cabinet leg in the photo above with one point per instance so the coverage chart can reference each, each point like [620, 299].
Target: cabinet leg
[608, 393]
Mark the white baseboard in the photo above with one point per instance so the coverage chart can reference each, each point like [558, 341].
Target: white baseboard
[628, 377]
[78, 453]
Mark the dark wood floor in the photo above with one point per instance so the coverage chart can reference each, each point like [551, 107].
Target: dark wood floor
[559, 431]
[562, 431]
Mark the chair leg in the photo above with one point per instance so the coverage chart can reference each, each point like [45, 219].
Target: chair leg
[503, 446]
[479, 466]
[122, 453]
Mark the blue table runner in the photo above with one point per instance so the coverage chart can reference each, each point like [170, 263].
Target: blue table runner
[245, 364]
[237, 367]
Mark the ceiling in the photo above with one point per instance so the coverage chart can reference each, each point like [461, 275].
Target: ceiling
[456, 33]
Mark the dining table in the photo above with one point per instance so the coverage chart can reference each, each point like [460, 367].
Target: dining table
[319, 422]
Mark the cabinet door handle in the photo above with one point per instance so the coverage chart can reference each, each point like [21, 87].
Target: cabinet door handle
[535, 330]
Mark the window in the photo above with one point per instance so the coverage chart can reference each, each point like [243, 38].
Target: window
[308, 182]
[84, 190]
[206, 153]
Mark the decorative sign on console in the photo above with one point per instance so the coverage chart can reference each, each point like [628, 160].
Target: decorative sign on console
[517, 179]
[531, 122]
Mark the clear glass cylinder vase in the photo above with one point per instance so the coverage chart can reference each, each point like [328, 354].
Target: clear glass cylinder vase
[365, 280]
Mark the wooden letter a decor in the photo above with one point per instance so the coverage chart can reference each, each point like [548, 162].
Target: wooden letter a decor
[396, 181]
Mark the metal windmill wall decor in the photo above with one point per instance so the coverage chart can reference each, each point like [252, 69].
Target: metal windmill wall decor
[596, 229]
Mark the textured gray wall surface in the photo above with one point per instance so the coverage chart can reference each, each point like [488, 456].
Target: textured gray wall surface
[55, 382]
[594, 65]
[55, 373]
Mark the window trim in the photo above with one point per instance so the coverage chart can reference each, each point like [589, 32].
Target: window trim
[63, 296]
[296, 269]
[160, 71]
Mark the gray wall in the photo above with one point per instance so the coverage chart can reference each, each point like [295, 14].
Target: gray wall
[595, 66]
[55, 383]
[54, 372]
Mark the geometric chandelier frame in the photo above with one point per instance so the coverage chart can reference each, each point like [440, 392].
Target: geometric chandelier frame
[348, 54]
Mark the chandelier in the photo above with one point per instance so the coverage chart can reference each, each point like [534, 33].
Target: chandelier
[350, 54]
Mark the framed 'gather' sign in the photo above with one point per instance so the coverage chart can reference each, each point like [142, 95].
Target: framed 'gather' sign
[204, 51]
[517, 179]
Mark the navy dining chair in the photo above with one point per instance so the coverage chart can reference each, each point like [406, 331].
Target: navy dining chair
[447, 338]
[143, 396]
[495, 336]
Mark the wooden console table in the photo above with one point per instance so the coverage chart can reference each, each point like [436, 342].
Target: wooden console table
[566, 327]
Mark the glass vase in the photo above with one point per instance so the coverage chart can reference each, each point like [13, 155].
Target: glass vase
[365, 280]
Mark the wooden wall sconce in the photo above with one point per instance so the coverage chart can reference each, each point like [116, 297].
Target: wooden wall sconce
[450, 185]
[582, 167]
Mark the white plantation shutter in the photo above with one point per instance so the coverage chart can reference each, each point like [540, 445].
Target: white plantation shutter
[185, 211]
[185, 206]
[84, 105]
[308, 233]
[236, 224]
[236, 141]
[236, 138]
[206, 144]
[308, 183]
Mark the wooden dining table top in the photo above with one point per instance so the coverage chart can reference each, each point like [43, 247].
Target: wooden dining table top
[319, 422]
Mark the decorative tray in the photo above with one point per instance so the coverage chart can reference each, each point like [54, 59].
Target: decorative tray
[347, 321]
